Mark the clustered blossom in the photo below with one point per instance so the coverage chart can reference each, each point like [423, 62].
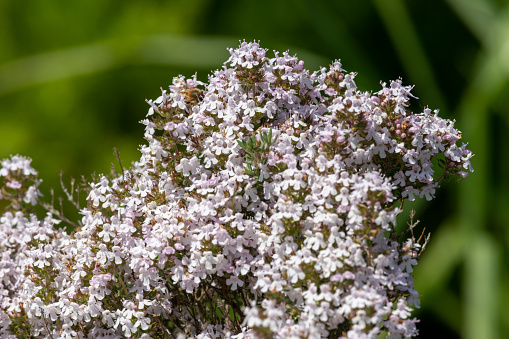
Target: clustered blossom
[263, 206]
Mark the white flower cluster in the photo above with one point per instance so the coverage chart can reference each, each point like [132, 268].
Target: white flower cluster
[263, 206]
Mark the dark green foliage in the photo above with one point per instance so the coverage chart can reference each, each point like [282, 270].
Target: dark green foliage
[256, 153]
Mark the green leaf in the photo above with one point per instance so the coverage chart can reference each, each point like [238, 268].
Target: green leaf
[264, 138]
[251, 142]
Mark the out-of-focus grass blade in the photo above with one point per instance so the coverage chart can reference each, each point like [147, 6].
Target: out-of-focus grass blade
[206, 52]
[482, 288]
[502, 305]
[50, 66]
[501, 44]
[475, 195]
[165, 49]
[480, 316]
[492, 28]
[478, 16]
[160, 49]
[447, 306]
[481, 284]
[411, 53]
[489, 77]
[188, 52]
[442, 255]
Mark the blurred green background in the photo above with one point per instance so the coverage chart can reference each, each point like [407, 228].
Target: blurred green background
[74, 76]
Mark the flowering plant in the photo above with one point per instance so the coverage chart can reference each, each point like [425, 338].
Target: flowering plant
[263, 206]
